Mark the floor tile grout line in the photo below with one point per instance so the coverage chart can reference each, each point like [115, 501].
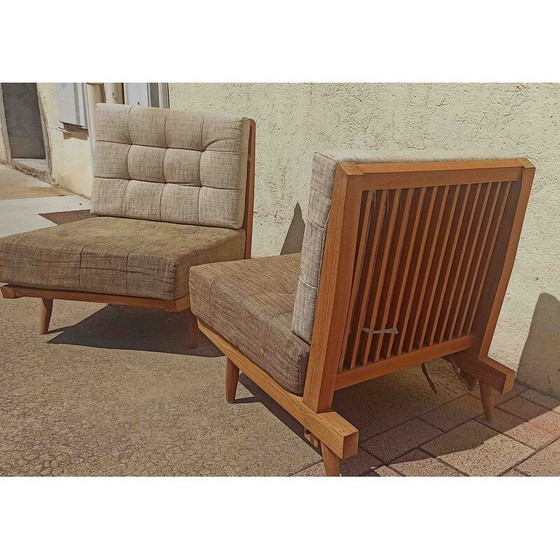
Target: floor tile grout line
[517, 440]
[412, 418]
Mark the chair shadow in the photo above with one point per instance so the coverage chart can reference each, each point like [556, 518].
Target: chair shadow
[134, 328]
[539, 365]
[294, 236]
[357, 405]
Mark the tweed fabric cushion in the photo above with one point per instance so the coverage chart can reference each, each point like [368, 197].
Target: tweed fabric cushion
[117, 256]
[320, 198]
[171, 166]
[250, 304]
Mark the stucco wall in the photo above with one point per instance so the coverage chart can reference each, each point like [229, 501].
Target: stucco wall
[3, 154]
[501, 120]
[71, 155]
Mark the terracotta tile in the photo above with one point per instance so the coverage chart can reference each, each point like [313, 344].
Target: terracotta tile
[477, 450]
[543, 400]
[386, 471]
[360, 464]
[518, 429]
[454, 413]
[418, 463]
[500, 398]
[545, 462]
[399, 440]
[514, 472]
[534, 413]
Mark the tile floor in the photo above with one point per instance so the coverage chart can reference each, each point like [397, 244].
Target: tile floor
[455, 439]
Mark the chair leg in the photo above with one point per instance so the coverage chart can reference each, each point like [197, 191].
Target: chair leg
[45, 312]
[330, 460]
[192, 330]
[232, 378]
[487, 398]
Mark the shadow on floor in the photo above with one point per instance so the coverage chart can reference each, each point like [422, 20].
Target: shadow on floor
[373, 407]
[134, 328]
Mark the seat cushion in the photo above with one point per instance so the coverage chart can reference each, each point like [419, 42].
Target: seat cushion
[169, 165]
[118, 256]
[250, 304]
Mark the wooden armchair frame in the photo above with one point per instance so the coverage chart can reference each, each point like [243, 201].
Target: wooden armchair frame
[416, 265]
[12, 291]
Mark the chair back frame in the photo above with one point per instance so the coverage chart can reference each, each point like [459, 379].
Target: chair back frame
[416, 265]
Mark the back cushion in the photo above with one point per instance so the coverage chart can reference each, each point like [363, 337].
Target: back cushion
[320, 199]
[170, 166]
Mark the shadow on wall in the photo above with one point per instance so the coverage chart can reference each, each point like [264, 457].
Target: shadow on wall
[294, 237]
[539, 366]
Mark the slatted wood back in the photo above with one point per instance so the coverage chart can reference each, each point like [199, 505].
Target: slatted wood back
[416, 265]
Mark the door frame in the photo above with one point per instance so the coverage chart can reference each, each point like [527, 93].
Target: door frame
[6, 137]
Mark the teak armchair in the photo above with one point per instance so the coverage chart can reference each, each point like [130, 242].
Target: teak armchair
[172, 189]
[413, 266]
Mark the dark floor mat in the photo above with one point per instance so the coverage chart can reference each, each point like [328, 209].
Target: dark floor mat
[67, 217]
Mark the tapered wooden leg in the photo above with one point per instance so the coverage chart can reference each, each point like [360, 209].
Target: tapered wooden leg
[331, 461]
[192, 330]
[45, 312]
[487, 398]
[232, 378]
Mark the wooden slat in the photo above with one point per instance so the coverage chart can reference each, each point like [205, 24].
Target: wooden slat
[414, 179]
[379, 217]
[457, 269]
[435, 269]
[418, 258]
[472, 167]
[250, 190]
[12, 291]
[465, 272]
[381, 276]
[392, 272]
[365, 217]
[396, 363]
[487, 220]
[449, 259]
[407, 262]
[489, 254]
[485, 369]
[432, 238]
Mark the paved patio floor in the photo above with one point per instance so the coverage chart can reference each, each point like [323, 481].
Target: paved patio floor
[114, 391]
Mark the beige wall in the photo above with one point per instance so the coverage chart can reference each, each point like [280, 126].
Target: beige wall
[3, 155]
[3, 152]
[71, 155]
[502, 120]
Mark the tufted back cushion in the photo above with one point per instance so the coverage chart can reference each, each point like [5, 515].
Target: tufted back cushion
[170, 166]
[320, 199]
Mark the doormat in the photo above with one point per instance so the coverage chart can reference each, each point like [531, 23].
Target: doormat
[67, 217]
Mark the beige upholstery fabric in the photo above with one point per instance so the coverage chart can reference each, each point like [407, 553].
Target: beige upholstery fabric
[171, 166]
[116, 256]
[250, 304]
[320, 198]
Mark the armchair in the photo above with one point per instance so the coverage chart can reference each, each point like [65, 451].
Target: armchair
[401, 263]
[172, 189]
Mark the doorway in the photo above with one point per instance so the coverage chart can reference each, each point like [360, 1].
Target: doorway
[24, 128]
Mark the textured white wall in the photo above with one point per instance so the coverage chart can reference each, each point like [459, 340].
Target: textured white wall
[501, 120]
[71, 156]
[3, 154]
